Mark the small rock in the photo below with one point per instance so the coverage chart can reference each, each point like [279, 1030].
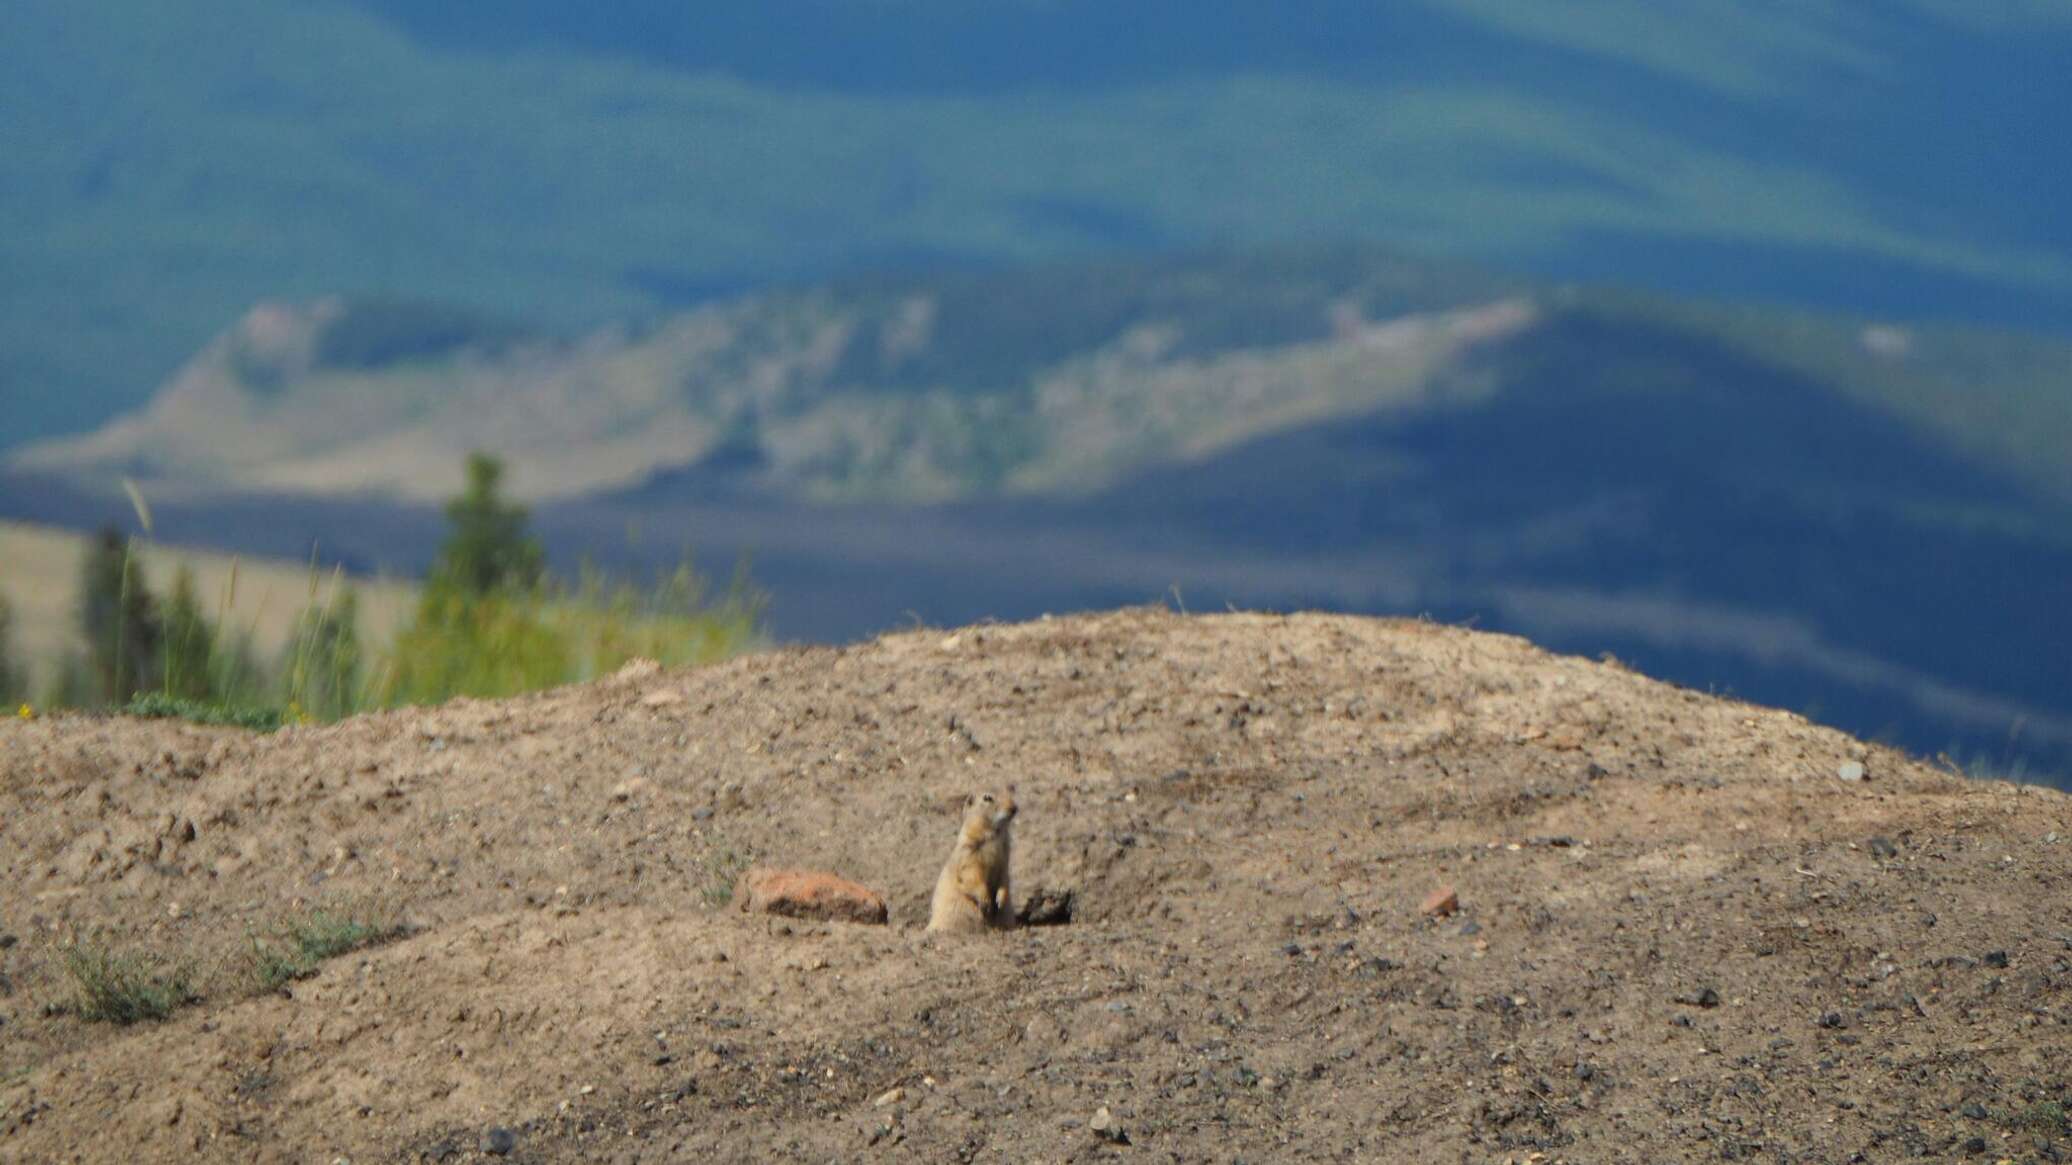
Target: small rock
[1440, 903]
[1974, 1111]
[499, 1141]
[702, 813]
[1470, 928]
[1850, 770]
[1105, 1126]
[1703, 997]
[1975, 1145]
[1996, 958]
[808, 894]
[1831, 1019]
[1882, 847]
[890, 1096]
[1043, 1031]
[1585, 1070]
[629, 788]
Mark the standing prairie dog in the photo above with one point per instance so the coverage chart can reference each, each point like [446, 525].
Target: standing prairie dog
[971, 893]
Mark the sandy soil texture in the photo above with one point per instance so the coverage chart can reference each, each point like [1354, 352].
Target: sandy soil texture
[1681, 934]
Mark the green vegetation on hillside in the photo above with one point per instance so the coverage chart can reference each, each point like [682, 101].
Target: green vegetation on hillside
[123, 987]
[489, 622]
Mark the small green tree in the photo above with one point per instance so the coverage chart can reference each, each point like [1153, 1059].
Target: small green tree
[190, 643]
[482, 626]
[118, 618]
[488, 548]
[323, 670]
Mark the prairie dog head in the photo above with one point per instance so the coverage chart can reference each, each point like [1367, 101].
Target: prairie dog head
[989, 812]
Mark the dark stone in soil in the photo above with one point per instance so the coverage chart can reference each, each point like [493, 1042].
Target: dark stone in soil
[499, 1141]
[1045, 907]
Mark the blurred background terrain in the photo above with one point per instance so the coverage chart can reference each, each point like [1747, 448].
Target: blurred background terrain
[1735, 341]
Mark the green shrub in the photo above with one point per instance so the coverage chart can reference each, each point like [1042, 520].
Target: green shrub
[723, 866]
[2047, 1118]
[497, 645]
[158, 705]
[292, 949]
[122, 988]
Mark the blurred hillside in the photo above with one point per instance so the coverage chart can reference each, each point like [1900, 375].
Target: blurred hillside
[1052, 381]
[1863, 520]
[165, 166]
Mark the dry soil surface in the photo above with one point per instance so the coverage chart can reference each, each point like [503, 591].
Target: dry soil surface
[1681, 934]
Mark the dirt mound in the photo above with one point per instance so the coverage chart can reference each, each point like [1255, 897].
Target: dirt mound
[1680, 933]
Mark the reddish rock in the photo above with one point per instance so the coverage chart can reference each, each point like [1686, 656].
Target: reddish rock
[808, 894]
[1441, 902]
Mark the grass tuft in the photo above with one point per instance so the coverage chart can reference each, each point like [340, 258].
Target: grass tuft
[723, 866]
[2046, 1118]
[123, 988]
[161, 706]
[293, 948]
